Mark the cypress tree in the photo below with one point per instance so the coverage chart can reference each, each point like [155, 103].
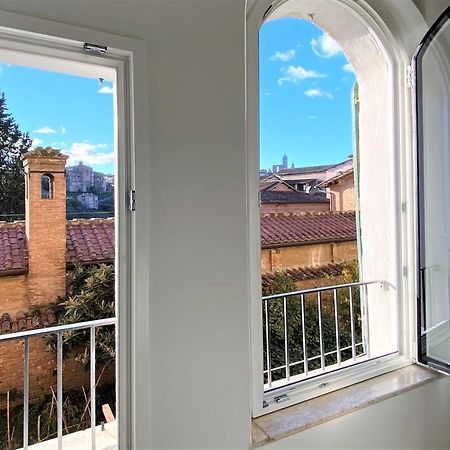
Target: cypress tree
[13, 144]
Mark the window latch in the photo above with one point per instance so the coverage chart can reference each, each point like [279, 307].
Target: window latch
[94, 48]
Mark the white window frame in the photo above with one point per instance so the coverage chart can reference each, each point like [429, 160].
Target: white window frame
[60, 46]
[405, 221]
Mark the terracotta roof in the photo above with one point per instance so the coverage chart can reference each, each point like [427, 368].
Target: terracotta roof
[87, 241]
[26, 322]
[13, 247]
[90, 240]
[291, 197]
[285, 229]
[303, 273]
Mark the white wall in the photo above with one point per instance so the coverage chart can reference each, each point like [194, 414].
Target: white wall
[199, 382]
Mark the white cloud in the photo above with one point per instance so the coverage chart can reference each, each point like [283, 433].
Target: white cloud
[312, 117]
[348, 68]
[63, 130]
[106, 90]
[318, 93]
[294, 74]
[37, 142]
[283, 56]
[89, 153]
[45, 130]
[325, 46]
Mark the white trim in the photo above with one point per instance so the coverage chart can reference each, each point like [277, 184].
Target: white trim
[61, 46]
[402, 163]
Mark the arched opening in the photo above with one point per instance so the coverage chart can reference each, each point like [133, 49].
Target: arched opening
[47, 186]
[381, 160]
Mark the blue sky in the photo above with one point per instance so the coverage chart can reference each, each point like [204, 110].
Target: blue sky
[306, 86]
[71, 113]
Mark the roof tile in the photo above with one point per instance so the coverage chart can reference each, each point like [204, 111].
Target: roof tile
[282, 229]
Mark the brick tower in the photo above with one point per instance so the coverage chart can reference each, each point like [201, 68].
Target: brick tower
[45, 217]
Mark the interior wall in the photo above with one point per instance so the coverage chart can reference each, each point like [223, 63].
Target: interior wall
[199, 380]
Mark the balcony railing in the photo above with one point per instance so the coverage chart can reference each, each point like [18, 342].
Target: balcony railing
[25, 336]
[313, 331]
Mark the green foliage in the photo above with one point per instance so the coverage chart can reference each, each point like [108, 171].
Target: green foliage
[90, 296]
[275, 309]
[13, 144]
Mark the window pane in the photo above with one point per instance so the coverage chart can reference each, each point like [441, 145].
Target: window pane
[433, 90]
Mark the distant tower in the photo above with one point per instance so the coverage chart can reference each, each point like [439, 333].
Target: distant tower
[285, 161]
[45, 221]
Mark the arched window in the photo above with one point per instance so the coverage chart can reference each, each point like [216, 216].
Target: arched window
[47, 186]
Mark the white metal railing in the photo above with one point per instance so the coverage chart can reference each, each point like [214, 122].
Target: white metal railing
[58, 331]
[286, 326]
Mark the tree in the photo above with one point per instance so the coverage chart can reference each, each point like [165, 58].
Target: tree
[13, 144]
[90, 296]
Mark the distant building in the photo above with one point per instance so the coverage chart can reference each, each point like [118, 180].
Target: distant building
[284, 165]
[341, 191]
[89, 200]
[82, 178]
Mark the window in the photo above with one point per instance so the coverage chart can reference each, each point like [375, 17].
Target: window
[432, 75]
[384, 158]
[52, 47]
[47, 186]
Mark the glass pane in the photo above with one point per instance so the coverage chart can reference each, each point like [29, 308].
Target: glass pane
[433, 91]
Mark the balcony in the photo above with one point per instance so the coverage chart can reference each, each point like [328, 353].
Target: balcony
[314, 331]
[96, 437]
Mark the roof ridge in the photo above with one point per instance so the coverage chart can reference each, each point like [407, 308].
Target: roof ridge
[307, 213]
[316, 267]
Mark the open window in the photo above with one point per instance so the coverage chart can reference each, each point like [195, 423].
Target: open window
[431, 65]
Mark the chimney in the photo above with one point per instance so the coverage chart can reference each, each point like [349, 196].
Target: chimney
[45, 219]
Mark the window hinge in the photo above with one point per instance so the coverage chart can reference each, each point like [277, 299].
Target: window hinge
[94, 48]
[132, 200]
[409, 77]
[259, 198]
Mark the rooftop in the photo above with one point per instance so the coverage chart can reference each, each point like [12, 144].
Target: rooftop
[302, 273]
[292, 197]
[87, 241]
[286, 229]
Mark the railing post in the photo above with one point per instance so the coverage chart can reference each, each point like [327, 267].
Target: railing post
[322, 353]
[26, 390]
[92, 376]
[352, 324]
[366, 322]
[59, 387]
[268, 359]
[286, 340]
[336, 320]
[305, 355]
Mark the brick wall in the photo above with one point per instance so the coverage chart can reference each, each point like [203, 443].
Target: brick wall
[274, 259]
[14, 294]
[42, 371]
[293, 207]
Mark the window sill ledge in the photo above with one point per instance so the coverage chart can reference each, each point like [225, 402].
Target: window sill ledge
[294, 419]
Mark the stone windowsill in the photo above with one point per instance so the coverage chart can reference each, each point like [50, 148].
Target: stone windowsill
[296, 418]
